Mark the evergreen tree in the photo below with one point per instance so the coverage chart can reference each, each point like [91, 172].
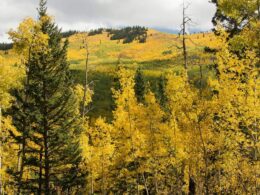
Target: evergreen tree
[139, 85]
[161, 91]
[51, 152]
[27, 38]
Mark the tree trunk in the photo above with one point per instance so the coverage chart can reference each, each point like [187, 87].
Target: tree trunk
[40, 174]
[145, 184]
[192, 186]
[184, 40]
[92, 185]
[103, 175]
[201, 77]
[46, 167]
[1, 155]
[21, 165]
[86, 82]
[258, 9]
[206, 162]
[21, 155]
[46, 143]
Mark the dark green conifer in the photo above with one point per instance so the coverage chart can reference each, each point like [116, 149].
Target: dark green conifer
[139, 85]
[161, 92]
[48, 110]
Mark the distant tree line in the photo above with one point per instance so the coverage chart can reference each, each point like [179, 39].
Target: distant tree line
[5, 46]
[96, 31]
[129, 34]
[69, 33]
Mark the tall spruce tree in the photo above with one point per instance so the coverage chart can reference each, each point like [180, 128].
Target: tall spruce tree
[51, 155]
[161, 91]
[139, 85]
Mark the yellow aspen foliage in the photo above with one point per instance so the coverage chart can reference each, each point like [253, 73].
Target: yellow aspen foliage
[129, 139]
[79, 91]
[29, 36]
[9, 79]
[98, 154]
[237, 116]
[180, 97]
[8, 154]
[236, 9]
[159, 153]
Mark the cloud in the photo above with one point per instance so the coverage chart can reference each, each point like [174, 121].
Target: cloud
[88, 14]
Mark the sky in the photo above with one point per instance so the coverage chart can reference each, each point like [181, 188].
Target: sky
[90, 14]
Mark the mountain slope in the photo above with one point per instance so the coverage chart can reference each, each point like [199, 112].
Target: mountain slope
[160, 53]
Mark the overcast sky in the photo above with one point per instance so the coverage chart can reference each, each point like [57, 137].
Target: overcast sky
[89, 14]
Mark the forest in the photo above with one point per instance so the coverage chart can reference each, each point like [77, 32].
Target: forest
[132, 110]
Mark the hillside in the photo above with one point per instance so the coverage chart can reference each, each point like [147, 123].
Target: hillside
[160, 53]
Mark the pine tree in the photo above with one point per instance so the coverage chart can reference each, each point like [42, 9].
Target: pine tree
[51, 154]
[27, 38]
[139, 85]
[161, 91]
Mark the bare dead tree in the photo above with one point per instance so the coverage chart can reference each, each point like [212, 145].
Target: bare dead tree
[185, 21]
[83, 106]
